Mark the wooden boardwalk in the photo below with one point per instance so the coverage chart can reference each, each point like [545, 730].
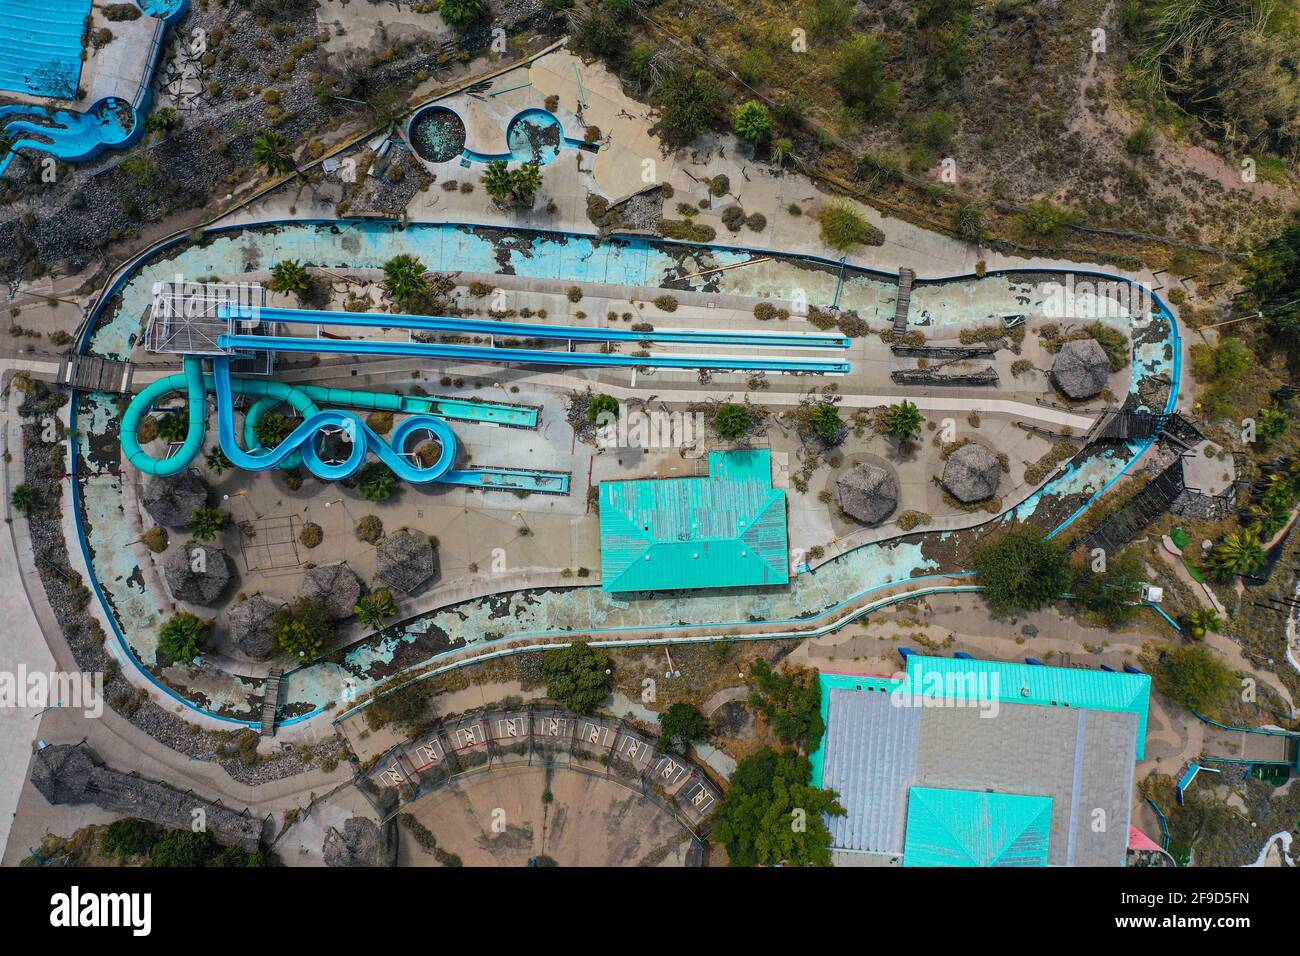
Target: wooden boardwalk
[91, 373]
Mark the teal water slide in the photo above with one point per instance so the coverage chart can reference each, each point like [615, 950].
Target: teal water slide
[300, 446]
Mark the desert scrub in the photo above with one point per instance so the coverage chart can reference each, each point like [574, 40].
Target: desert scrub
[844, 229]
[381, 423]
[766, 312]
[1039, 470]
[733, 217]
[687, 231]
[912, 519]
[311, 535]
[370, 529]
[666, 303]
[155, 539]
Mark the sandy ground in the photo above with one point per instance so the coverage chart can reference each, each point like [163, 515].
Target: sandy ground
[590, 822]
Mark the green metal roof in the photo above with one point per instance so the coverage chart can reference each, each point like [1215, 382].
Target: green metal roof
[974, 828]
[953, 678]
[726, 530]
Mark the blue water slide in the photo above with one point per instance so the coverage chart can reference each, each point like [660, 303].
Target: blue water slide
[498, 356]
[528, 330]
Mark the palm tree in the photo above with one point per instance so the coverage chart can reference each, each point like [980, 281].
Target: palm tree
[217, 461]
[901, 421]
[405, 280]
[291, 277]
[25, 499]
[207, 523]
[1238, 554]
[528, 179]
[497, 180]
[273, 153]
[1201, 621]
[373, 608]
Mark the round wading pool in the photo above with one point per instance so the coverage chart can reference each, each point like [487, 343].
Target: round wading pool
[437, 134]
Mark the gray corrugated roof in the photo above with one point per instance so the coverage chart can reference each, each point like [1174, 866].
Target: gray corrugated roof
[871, 762]
[1084, 760]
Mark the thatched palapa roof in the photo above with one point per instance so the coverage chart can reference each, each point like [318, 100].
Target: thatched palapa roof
[335, 587]
[405, 560]
[868, 493]
[971, 473]
[1081, 368]
[249, 623]
[172, 500]
[197, 573]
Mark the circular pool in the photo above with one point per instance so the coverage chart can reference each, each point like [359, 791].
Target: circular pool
[534, 136]
[437, 134]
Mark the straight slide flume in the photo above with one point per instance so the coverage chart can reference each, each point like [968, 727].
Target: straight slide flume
[530, 330]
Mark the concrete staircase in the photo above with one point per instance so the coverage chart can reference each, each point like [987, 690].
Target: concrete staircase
[904, 301]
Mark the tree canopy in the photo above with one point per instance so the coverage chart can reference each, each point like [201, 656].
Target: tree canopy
[1021, 571]
[790, 701]
[1195, 676]
[183, 637]
[575, 676]
[681, 725]
[771, 815]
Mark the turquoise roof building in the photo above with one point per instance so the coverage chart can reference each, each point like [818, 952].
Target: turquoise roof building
[972, 828]
[725, 530]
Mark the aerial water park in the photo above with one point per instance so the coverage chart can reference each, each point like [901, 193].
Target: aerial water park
[229, 324]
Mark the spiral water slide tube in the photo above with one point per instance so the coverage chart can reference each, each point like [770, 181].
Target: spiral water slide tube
[300, 446]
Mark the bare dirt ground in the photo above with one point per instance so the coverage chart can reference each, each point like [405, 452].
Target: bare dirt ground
[502, 818]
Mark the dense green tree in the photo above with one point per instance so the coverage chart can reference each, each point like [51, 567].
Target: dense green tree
[770, 814]
[826, 423]
[680, 725]
[273, 427]
[1273, 279]
[302, 629]
[174, 426]
[858, 75]
[1200, 622]
[731, 421]
[689, 104]
[1271, 423]
[183, 637]
[1111, 593]
[514, 186]
[1195, 676]
[1021, 570]
[126, 838]
[576, 676]
[602, 405]
[790, 701]
[843, 228]
[462, 13]
[182, 849]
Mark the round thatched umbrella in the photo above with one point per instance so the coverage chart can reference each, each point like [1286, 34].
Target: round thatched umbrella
[1081, 368]
[171, 501]
[405, 560]
[868, 493]
[197, 573]
[334, 587]
[249, 623]
[971, 473]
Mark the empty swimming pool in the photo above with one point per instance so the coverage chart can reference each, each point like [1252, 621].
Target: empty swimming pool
[40, 46]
